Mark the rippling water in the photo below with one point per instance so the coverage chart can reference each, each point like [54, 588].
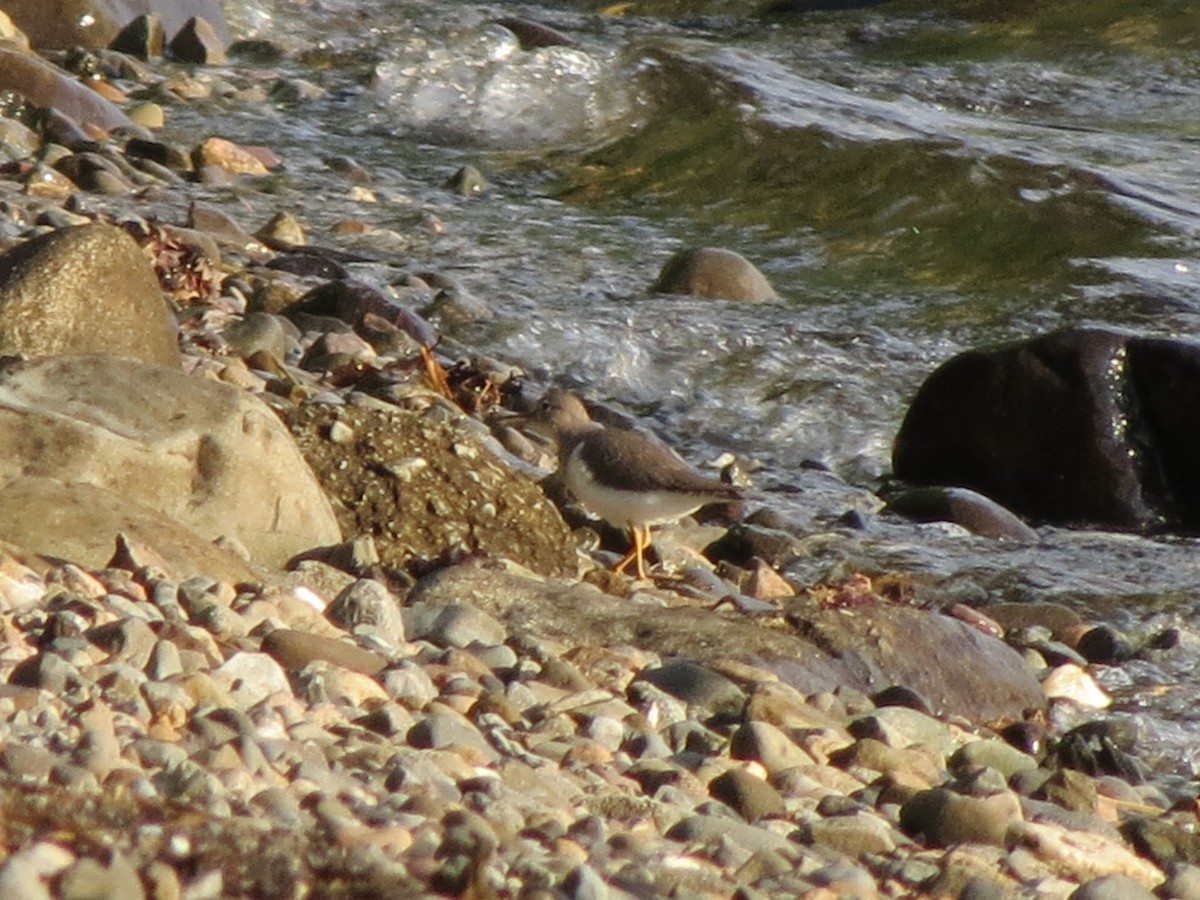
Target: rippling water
[915, 179]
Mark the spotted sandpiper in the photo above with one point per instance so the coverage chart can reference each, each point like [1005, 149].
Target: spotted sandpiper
[623, 476]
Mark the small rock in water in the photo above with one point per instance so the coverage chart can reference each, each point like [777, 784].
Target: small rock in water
[468, 181]
[713, 272]
[198, 42]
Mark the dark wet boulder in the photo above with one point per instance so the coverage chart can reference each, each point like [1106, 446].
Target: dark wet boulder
[1081, 426]
[713, 272]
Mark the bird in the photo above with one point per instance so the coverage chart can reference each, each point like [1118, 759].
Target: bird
[622, 476]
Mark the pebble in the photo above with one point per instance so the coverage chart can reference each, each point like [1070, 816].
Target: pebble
[453, 625]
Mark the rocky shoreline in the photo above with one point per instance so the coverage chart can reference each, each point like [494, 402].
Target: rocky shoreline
[286, 616]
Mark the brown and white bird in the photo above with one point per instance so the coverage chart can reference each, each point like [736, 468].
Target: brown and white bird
[623, 476]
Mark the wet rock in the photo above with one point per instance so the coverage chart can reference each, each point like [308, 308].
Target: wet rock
[213, 457]
[83, 290]
[468, 181]
[143, 38]
[1080, 426]
[533, 35]
[198, 42]
[224, 155]
[45, 86]
[713, 272]
[63, 24]
[972, 511]
[743, 544]
[1105, 645]
[354, 301]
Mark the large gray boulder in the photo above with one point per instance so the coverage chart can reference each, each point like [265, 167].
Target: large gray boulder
[211, 457]
[80, 523]
[87, 289]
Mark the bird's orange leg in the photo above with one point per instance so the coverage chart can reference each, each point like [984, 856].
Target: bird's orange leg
[641, 540]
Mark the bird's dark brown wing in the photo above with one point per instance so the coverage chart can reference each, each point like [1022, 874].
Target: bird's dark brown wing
[636, 462]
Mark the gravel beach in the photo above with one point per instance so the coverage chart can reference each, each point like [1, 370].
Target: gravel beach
[290, 611]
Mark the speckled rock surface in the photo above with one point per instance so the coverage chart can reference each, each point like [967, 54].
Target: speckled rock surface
[425, 490]
[84, 290]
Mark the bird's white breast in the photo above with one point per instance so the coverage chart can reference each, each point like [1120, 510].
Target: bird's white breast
[627, 507]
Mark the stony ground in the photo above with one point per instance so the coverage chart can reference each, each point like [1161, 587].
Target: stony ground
[458, 700]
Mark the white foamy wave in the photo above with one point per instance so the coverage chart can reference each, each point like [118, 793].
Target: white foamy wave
[481, 87]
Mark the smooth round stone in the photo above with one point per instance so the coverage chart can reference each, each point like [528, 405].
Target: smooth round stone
[1183, 882]
[27, 763]
[855, 835]
[583, 883]
[947, 818]
[409, 684]
[874, 755]
[697, 686]
[901, 726]
[1112, 887]
[749, 795]
[296, 649]
[164, 661]
[24, 872]
[367, 602]
[1104, 644]
[446, 732]
[257, 332]
[700, 828]
[453, 625]
[713, 272]
[251, 677]
[1004, 758]
[769, 745]
[89, 879]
